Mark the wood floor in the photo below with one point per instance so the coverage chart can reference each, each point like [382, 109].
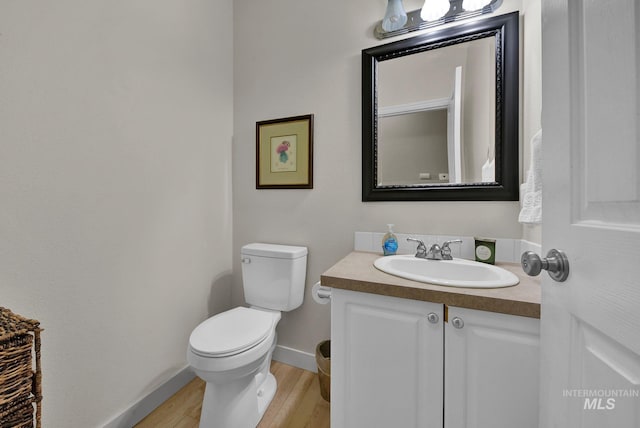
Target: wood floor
[297, 403]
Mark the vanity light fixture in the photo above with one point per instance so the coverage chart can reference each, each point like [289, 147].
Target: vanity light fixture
[474, 4]
[434, 9]
[395, 17]
[432, 14]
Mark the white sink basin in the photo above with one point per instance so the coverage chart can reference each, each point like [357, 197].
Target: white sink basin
[453, 273]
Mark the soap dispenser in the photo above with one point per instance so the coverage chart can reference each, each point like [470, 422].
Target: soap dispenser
[389, 242]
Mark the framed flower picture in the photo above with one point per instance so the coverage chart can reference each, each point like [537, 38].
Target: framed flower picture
[284, 153]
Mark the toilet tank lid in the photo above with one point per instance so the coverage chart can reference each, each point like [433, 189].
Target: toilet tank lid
[274, 250]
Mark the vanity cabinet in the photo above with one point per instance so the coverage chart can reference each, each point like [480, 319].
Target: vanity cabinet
[386, 361]
[397, 363]
[491, 370]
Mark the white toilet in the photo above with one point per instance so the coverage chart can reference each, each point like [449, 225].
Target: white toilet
[232, 351]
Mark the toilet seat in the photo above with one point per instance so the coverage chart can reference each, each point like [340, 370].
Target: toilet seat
[231, 332]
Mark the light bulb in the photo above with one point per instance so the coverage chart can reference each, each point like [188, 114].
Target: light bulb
[434, 9]
[474, 4]
[395, 17]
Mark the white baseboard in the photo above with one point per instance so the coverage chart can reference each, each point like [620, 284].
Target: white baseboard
[139, 410]
[296, 358]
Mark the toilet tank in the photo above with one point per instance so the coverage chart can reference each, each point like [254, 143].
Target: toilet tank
[273, 276]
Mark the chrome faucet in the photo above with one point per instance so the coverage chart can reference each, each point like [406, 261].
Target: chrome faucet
[436, 252]
[421, 250]
[446, 250]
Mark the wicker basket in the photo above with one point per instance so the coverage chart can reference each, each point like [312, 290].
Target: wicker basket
[20, 374]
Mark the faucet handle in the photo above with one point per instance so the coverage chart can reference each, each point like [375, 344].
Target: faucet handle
[446, 250]
[421, 250]
[453, 241]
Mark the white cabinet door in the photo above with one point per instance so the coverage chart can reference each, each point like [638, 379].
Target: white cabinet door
[386, 362]
[491, 370]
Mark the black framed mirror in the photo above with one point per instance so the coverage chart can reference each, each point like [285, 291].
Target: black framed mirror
[440, 115]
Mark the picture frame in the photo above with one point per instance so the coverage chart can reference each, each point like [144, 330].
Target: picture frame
[284, 153]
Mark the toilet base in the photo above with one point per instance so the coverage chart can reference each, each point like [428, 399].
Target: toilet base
[240, 403]
[237, 404]
[265, 394]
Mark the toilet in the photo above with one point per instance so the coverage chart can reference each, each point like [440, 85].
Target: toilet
[232, 351]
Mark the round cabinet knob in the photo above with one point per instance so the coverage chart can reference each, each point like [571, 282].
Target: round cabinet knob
[433, 318]
[556, 264]
[246, 260]
[457, 322]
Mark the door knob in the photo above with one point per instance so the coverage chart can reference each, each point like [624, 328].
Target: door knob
[457, 322]
[556, 264]
[433, 318]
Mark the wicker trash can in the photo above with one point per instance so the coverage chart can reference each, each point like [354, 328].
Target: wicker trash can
[323, 359]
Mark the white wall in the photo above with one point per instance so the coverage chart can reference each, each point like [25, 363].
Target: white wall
[115, 220]
[294, 58]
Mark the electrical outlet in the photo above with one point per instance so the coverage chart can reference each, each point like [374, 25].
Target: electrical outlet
[424, 176]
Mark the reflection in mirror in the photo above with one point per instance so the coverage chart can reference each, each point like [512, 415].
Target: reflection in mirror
[440, 114]
[418, 153]
[436, 116]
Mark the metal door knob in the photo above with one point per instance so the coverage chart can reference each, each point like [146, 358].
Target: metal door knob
[433, 318]
[556, 264]
[457, 322]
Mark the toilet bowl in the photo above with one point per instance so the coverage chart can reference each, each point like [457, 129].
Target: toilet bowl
[235, 367]
[232, 351]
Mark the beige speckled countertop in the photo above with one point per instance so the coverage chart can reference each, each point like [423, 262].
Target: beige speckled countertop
[356, 272]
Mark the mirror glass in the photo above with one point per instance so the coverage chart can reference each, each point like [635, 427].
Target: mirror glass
[440, 114]
[436, 116]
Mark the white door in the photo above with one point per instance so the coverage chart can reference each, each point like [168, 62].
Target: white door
[590, 324]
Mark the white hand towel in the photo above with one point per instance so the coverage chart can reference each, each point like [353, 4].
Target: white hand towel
[531, 189]
[489, 171]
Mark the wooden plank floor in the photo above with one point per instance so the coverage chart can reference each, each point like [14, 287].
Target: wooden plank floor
[297, 403]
